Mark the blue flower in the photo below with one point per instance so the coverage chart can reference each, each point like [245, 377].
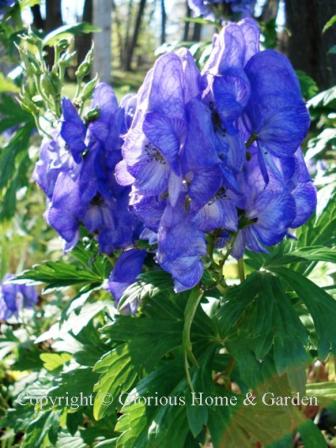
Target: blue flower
[14, 297]
[207, 7]
[73, 130]
[154, 139]
[126, 270]
[54, 159]
[277, 117]
[191, 155]
[181, 247]
[76, 171]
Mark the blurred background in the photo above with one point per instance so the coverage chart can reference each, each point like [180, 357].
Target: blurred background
[133, 32]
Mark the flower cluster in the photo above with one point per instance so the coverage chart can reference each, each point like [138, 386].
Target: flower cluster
[196, 160]
[76, 172]
[14, 297]
[206, 8]
[217, 154]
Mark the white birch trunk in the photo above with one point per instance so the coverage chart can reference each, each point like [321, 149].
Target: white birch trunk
[102, 18]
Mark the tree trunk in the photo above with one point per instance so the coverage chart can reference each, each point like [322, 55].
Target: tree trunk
[308, 47]
[53, 20]
[102, 18]
[163, 22]
[84, 41]
[127, 31]
[270, 10]
[119, 27]
[137, 27]
[53, 14]
[197, 32]
[186, 23]
[38, 22]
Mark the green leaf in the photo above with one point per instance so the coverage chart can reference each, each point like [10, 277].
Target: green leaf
[259, 315]
[245, 426]
[311, 435]
[137, 418]
[162, 321]
[320, 305]
[132, 425]
[38, 429]
[331, 22]
[53, 361]
[69, 441]
[197, 417]
[7, 85]
[148, 285]
[323, 141]
[16, 145]
[28, 357]
[323, 99]
[74, 383]
[58, 274]
[309, 87]
[325, 392]
[67, 31]
[118, 375]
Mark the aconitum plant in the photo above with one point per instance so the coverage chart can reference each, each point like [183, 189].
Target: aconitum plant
[197, 162]
[76, 172]
[222, 7]
[15, 296]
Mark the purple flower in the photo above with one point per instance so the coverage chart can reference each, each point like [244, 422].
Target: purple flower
[153, 142]
[15, 296]
[192, 155]
[54, 159]
[276, 115]
[195, 158]
[73, 130]
[181, 246]
[76, 171]
[222, 7]
[126, 270]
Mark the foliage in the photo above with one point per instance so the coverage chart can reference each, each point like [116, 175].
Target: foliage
[80, 371]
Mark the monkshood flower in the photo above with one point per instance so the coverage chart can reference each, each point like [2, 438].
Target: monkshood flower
[222, 8]
[75, 171]
[14, 297]
[181, 246]
[218, 153]
[127, 268]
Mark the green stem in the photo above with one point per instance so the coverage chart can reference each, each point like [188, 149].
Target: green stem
[226, 256]
[253, 137]
[189, 315]
[241, 270]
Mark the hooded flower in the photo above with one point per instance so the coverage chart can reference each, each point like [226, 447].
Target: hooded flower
[126, 270]
[14, 297]
[276, 116]
[192, 156]
[76, 171]
[211, 153]
[181, 246]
